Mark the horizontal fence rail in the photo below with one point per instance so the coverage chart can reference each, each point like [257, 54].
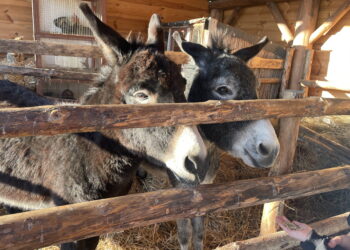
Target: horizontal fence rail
[57, 49]
[52, 73]
[77, 75]
[281, 240]
[50, 120]
[62, 224]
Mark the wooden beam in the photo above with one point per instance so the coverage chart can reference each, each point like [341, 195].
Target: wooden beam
[330, 22]
[282, 241]
[289, 127]
[56, 49]
[86, 76]
[281, 22]
[41, 228]
[266, 63]
[217, 14]
[232, 18]
[326, 85]
[52, 73]
[286, 71]
[49, 48]
[269, 80]
[50, 120]
[229, 4]
[323, 145]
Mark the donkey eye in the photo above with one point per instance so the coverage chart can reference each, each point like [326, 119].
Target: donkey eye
[141, 96]
[223, 90]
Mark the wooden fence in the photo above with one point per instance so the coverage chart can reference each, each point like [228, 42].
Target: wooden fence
[77, 221]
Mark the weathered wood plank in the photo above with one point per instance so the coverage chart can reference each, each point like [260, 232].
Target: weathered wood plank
[52, 73]
[280, 21]
[50, 120]
[49, 48]
[327, 85]
[289, 127]
[330, 22]
[57, 49]
[61, 224]
[282, 241]
[229, 4]
[265, 63]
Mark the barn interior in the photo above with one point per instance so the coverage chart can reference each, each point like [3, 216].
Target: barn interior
[308, 55]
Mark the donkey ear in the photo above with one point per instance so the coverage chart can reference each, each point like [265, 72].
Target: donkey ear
[111, 42]
[248, 53]
[155, 33]
[200, 54]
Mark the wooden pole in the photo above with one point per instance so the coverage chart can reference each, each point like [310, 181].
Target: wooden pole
[229, 4]
[51, 73]
[327, 85]
[289, 127]
[50, 120]
[232, 18]
[57, 49]
[330, 22]
[66, 223]
[286, 71]
[281, 22]
[281, 240]
[217, 14]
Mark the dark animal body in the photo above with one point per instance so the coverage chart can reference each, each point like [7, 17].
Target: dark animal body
[40, 172]
[224, 75]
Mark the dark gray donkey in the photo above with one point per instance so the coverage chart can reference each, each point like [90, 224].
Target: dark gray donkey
[40, 172]
[224, 75]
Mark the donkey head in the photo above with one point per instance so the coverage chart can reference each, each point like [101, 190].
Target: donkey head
[224, 75]
[141, 74]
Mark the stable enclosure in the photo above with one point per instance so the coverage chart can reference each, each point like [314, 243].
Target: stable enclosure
[301, 62]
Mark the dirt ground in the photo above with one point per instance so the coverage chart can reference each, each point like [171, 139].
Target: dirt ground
[230, 226]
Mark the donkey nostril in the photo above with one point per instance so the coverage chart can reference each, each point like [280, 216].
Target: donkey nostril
[263, 149]
[190, 165]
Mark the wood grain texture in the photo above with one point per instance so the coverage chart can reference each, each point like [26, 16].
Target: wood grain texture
[229, 4]
[61, 224]
[51, 73]
[281, 22]
[327, 85]
[124, 15]
[289, 127]
[330, 22]
[58, 49]
[50, 120]
[16, 17]
[282, 241]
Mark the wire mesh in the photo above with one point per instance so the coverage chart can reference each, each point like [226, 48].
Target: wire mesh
[64, 17]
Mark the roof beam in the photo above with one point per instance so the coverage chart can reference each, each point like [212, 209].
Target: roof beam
[230, 4]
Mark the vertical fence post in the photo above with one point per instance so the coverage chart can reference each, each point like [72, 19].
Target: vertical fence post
[289, 128]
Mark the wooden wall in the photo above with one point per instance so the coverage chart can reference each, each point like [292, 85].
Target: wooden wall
[332, 51]
[16, 17]
[126, 15]
[123, 15]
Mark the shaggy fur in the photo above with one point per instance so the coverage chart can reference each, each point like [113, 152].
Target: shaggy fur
[40, 172]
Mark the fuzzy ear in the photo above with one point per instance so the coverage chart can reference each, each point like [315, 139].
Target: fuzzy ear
[200, 54]
[248, 53]
[111, 42]
[155, 33]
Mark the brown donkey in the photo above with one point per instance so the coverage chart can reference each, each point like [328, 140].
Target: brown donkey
[40, 172]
